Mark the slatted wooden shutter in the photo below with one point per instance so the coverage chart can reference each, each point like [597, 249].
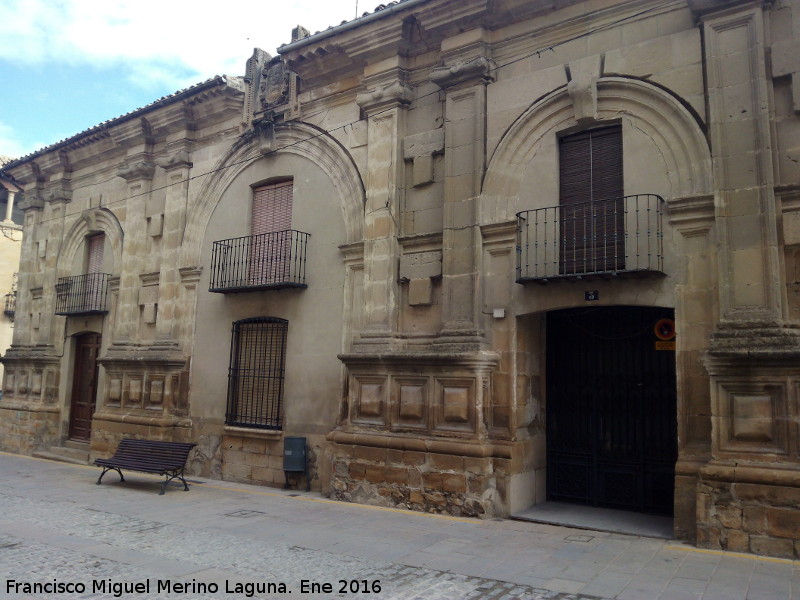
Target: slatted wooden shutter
[270, 226]
[90, 290]
[591, 192]
[94, 245]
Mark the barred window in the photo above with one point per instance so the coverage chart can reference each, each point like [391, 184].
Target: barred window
[255, 375]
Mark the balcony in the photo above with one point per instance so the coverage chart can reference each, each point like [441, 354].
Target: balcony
[604, 239]
[82, 294]
[259, 262]
[10, 305]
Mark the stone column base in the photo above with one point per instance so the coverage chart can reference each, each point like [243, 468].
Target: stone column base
[25, 429]
[749, 509]
[434, 476]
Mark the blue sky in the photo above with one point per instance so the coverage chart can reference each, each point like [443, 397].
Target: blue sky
[67, 65]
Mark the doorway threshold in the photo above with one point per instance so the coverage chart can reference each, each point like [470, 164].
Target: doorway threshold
[598, 519]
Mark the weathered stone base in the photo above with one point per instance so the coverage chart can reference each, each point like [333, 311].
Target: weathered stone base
[24, 429]
[462, 486]
[256, 457]
[685, 511]
[748, 514]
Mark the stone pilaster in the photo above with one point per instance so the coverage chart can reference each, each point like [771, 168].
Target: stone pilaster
[33, 206]
[57, 197]
[695, 295]
[384, 103]
[464, 82]
[753, 353]
[138, 173]
[750, 278]
[169, 225]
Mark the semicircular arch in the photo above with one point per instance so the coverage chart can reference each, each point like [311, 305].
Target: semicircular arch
[674, 130]
[301, 139]
[91, 221]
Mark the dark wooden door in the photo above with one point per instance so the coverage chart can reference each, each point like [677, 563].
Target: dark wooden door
[611, 409]
[84, 386]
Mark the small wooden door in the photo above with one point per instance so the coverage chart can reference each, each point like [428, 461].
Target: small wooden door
[84, 386]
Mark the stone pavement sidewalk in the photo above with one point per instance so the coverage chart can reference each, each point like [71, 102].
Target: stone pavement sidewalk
[73, 539]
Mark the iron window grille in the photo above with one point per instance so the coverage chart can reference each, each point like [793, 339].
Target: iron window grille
[256, 262]
[256, 373]
[82, 294]
[601, 238]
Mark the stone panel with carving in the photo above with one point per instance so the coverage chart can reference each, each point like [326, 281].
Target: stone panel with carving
[753, 418]
[411, 398]
[454, 408]
[370, 402]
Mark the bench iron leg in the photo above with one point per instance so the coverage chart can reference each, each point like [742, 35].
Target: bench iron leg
[106, 470]
[169, 477]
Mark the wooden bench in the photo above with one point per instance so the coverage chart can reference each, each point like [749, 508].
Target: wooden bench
[165, 458]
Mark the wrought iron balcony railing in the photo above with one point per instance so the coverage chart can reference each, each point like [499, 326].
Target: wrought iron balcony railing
[258, 262]
[82, 294]
[10, 305]
[623, 236]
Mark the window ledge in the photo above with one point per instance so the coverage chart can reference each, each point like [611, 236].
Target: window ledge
[269, 434]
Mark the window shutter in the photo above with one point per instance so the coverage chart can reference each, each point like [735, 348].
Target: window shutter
[272, 208]
[591, 191]
[270, 252]
[606, 171]
[95, 246]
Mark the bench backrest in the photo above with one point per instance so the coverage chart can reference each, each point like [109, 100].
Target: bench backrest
[155, 454]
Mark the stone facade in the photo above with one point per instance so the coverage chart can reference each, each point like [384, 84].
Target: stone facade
[425, 146]
[10, 245]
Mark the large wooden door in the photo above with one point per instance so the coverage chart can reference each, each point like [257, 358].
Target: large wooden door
[611, 408]
[84, 386]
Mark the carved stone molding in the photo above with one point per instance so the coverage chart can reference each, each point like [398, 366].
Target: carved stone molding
[31, 201]
[440, 394]
[136, 170]
[479, 68]
[582, 87]
[60, 192]
[386, 96]
[693, 215]
[178, 159]
[145, 381]
[190, 276]
[265, 130]
[743, 344]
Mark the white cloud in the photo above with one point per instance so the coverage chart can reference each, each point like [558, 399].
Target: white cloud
[11, 144]
[172, 42]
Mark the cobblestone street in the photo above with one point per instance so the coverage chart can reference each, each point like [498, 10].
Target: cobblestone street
[224, 540]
